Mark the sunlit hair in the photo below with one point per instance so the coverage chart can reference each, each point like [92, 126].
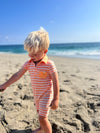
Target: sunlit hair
[37, 40]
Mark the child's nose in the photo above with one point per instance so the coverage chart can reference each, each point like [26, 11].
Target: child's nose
[30, 54]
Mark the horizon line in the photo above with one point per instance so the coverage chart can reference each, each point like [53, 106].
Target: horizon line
[50, 43]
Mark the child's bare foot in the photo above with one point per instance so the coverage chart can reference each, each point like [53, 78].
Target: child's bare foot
[38, 130]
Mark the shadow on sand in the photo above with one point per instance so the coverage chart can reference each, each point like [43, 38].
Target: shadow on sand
[21, 131]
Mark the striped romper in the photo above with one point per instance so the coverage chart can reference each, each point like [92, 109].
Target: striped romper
[41, 83]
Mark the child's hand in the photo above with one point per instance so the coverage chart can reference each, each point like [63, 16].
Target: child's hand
[2, 88]
[54, 104]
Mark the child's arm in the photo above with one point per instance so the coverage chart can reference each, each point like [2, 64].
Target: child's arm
[55, 102]
[13, 79]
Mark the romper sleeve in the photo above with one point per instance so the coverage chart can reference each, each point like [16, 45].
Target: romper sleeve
[52, 67]
[25, 66]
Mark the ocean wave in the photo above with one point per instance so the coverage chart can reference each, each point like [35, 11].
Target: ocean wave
[76, 54]
[52, 52]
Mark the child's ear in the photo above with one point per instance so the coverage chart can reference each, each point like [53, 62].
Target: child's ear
[46, 51]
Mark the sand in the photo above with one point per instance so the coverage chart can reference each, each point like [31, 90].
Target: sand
[79, 106]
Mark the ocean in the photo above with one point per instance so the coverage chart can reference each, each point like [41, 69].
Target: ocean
[89, 50]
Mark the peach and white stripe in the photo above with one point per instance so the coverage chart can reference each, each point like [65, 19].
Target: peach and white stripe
[41, 83]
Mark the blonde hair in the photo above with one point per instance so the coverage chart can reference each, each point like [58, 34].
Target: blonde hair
[37, 40]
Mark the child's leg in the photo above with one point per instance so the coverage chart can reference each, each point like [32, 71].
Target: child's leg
[45, 124]
[38, 130]
[43, 107]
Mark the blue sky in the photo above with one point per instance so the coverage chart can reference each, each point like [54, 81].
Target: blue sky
[65, 20]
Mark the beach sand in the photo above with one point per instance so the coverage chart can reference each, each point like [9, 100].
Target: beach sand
[79, 105]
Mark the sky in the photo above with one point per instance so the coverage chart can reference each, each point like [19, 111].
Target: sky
[66, 21]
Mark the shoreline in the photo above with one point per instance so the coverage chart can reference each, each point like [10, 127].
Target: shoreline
[75, 57]
[67, 57]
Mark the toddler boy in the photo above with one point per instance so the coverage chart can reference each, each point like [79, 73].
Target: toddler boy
[44, 78]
